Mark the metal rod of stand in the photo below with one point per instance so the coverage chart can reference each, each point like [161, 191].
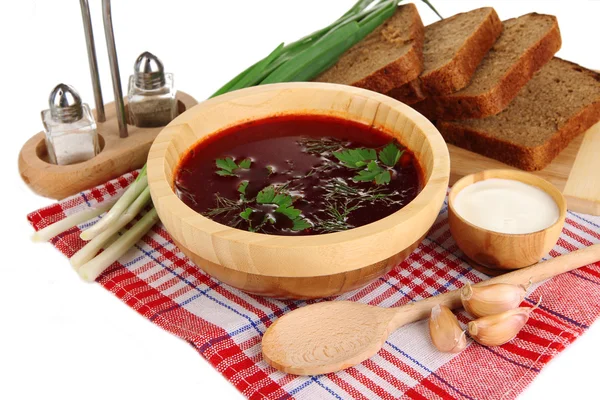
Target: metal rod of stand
[114, 67]
[92, 59]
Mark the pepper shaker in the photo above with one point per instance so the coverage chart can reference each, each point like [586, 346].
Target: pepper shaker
[151, 93]
[70, 128]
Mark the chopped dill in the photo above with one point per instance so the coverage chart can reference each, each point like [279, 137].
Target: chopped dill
[320, 146]
[348, 179]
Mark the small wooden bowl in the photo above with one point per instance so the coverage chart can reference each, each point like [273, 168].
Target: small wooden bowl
[496, 251]
[307, 266]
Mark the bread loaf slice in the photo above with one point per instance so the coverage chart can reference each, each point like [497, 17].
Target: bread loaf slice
[388, 57]
[560, 102]
[526, 45]
[452, 50]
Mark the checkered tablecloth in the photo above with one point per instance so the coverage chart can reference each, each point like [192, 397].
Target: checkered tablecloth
[225, 325]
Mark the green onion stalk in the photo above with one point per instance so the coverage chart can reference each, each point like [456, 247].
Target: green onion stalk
[302, 60]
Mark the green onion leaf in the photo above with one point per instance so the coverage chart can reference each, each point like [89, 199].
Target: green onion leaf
[227, 87]
[376, 18]
[331, 41]
[257, 73]
[433, 8]
[353, 14]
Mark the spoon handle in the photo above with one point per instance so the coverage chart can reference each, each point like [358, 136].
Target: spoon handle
[536, 273]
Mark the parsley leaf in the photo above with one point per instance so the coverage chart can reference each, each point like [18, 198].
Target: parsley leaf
[383, 178]
[245, 163]
[269, 195]
[284, 205]
[373, 173]
[282, 200]
[242, 187]
[373, 169]
[301, 224]
[266, 195]
[390, 155]
[356, 158]
[227, 166]
[289, 211]
[246, 214]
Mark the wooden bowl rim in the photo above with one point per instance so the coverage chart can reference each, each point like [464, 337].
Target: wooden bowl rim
[511, 174]
[437, 181]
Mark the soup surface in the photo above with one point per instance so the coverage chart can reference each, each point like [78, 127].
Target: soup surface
[298, 175]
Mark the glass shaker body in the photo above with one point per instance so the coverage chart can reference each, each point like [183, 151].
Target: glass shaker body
[72, 142]
[152, 107]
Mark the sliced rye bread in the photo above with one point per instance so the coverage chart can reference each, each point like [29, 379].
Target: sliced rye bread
[388, 57]
[409, 93]
[560, 102]
[526, 45]
[452, 50]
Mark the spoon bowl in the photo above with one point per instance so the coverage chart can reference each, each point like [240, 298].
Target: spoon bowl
[341, 333]
[333, 335]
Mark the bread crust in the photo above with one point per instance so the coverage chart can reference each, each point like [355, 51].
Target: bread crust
[523, 157]
[409, 93]
[457, 73]
[404, 69]
[458, 106]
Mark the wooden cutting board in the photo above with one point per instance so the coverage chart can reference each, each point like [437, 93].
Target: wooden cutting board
[576, 170]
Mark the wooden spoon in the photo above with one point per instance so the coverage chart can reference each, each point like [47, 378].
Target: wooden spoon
[334, 335]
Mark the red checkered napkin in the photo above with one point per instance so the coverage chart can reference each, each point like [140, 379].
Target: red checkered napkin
[225, 325]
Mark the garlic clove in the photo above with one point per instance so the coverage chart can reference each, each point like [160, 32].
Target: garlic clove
[446, 333]
[495, 330]
[481, 301]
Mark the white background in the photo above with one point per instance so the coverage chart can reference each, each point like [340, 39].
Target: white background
[62, 338]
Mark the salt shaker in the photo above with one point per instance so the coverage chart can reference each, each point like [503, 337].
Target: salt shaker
[70, 128]
[151, 93]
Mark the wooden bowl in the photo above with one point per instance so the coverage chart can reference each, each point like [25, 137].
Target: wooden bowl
[496, 251]
[306, 266]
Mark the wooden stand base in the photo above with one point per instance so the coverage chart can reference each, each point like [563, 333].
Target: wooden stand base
[117, 157]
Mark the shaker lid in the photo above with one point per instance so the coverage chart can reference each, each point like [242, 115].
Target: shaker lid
[149, 71]
[65, 104]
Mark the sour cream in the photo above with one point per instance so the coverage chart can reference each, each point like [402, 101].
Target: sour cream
[506, 206]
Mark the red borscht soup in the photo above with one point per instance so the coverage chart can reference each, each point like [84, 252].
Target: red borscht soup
[298, 175]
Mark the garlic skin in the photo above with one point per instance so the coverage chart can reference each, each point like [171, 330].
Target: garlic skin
[446, 333]
[482, 301]
[495, 330]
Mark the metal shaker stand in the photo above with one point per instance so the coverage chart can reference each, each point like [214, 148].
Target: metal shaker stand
[124, 147]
